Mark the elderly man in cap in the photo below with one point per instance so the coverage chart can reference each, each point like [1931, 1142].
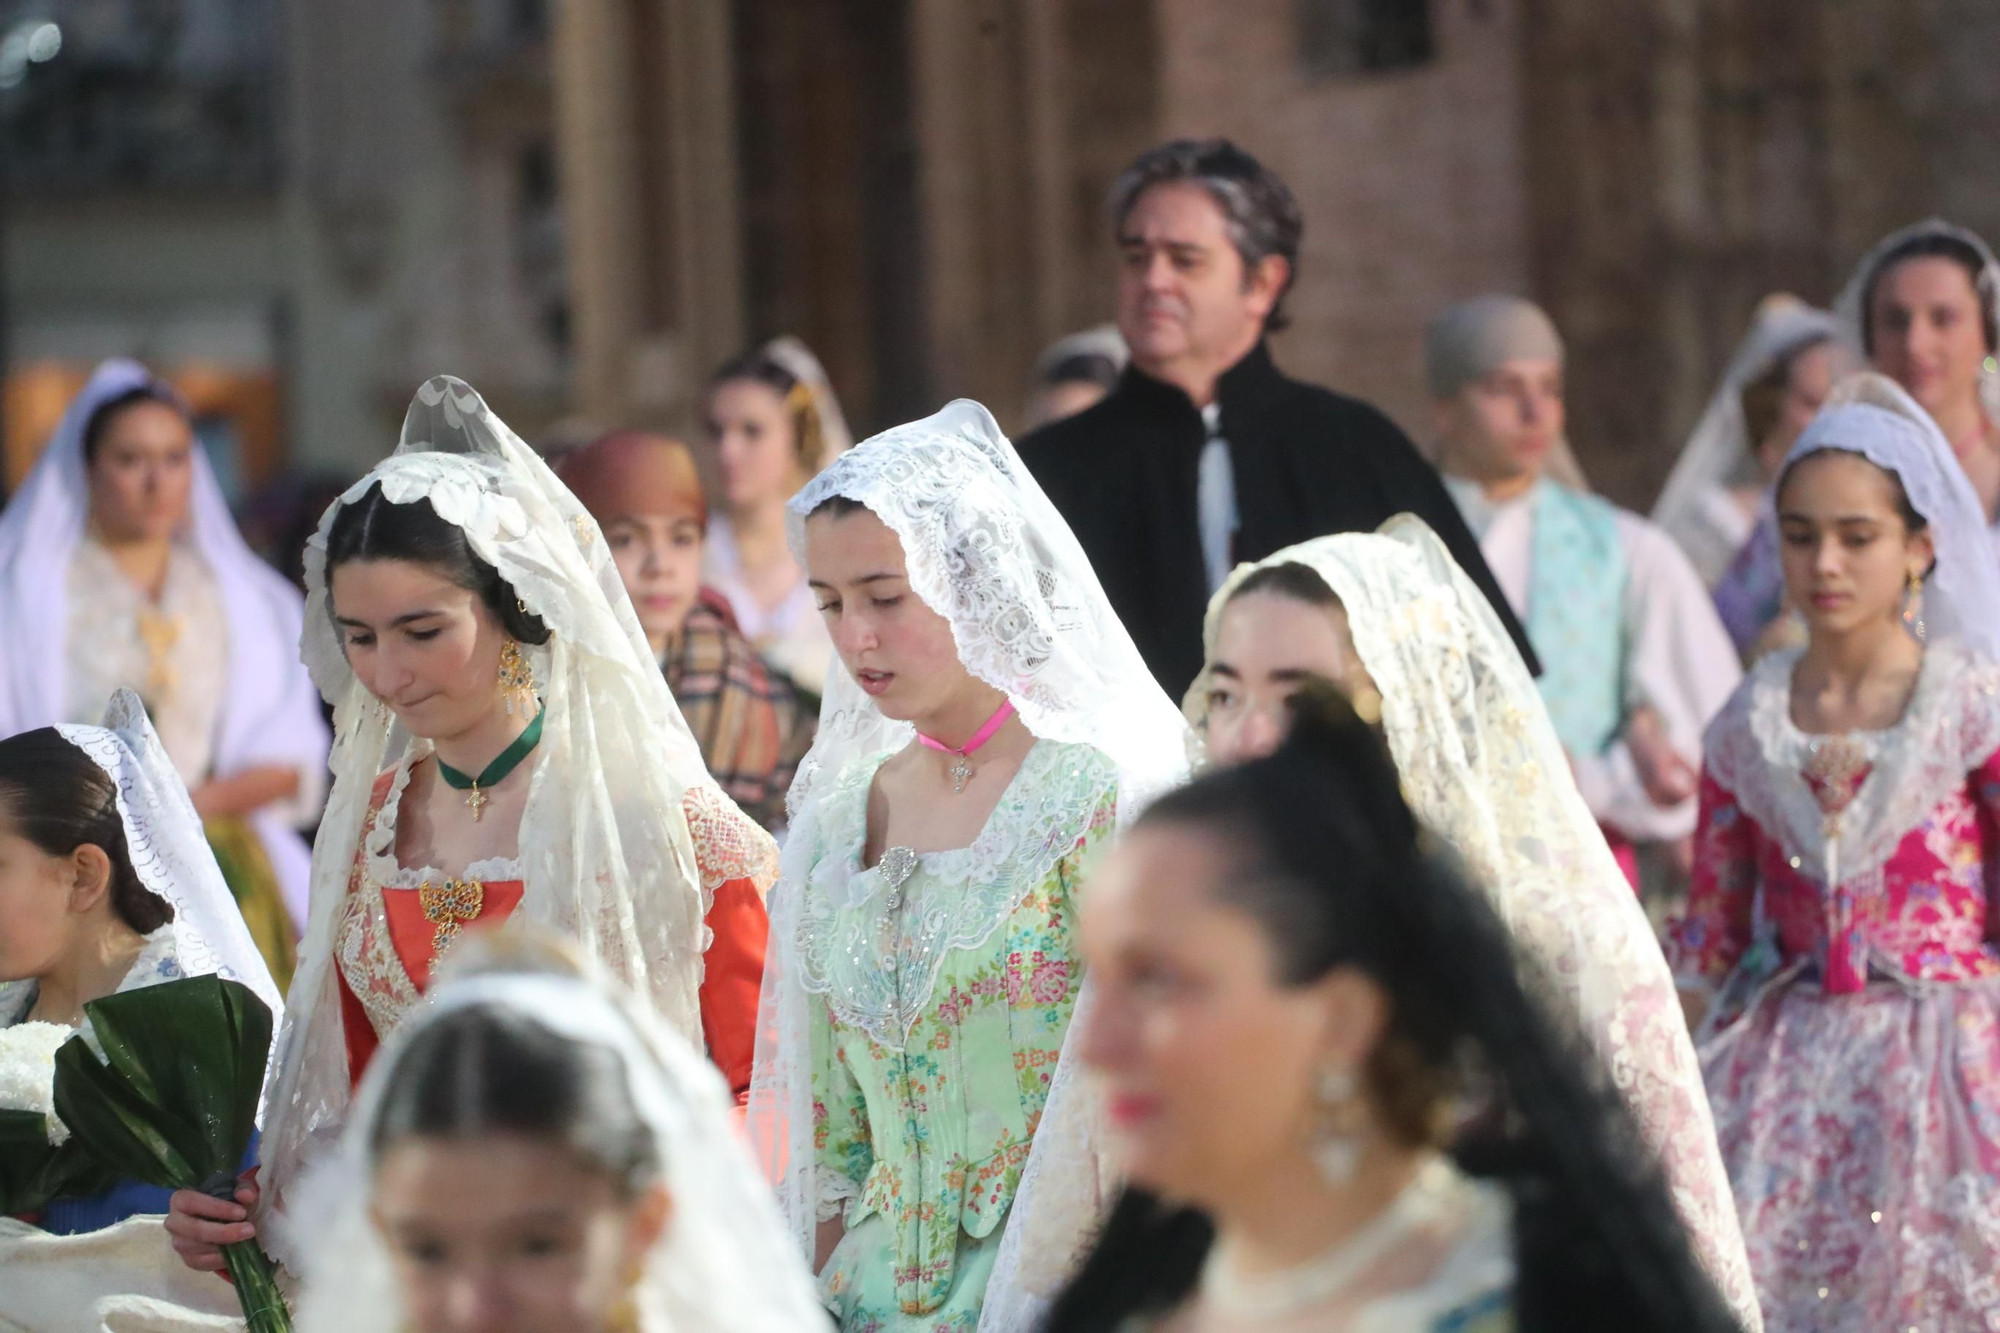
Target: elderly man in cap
[1634, 658]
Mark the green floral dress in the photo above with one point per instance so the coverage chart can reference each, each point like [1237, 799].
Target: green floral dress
[941, 986]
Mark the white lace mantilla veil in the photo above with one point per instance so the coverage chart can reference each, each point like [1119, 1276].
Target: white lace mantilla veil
[1871, 415]
[987, 550]
[269, 714]
[604, 846]
[797, 358]
[168, 849]
[1481, 766]
[1847, 309]
[1716, 453]
[724, 1265]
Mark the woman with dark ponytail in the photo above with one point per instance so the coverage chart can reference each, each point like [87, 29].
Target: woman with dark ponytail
[1336, 1102]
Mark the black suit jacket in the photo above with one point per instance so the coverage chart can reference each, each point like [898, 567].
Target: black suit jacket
[1307, 461]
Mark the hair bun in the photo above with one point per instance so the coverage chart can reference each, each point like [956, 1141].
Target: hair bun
[1351, 758]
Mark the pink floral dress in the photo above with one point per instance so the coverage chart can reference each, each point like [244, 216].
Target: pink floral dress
[1843, 914]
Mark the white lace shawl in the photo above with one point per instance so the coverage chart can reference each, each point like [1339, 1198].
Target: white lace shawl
[985, 549]
[1758, 754]
[605, 852]
[1482, 768]
[724, 1264]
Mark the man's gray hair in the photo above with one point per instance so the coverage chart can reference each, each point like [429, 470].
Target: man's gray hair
[1257, 206]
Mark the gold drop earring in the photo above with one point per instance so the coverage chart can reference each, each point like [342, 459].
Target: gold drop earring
[1913, 606]
[517, 679]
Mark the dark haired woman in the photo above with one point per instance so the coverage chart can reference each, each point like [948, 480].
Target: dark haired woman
[106, 885]
[1841, 926]
[532, 1151]
[1924, 308]
[987, 728]
[1388, 618]
[1717, 502]
[772, 424]
[507, 745]
[120, 567]
[1296, 1003]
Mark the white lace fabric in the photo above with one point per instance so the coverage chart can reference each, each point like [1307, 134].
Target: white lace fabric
[985, 549]
[605, 854]
[1482, 768]
[881, 981]
[170, 853]
[724, 1264]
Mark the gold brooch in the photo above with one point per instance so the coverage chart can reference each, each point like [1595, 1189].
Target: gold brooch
[449, 904]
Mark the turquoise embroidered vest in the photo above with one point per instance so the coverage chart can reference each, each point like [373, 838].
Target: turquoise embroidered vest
[1576, 615]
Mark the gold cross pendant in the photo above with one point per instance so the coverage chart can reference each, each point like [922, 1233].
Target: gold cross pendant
[477, 800]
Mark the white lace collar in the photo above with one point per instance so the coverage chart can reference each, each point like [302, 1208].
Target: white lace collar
[379, 845]
[873, 941]
[1950, 726]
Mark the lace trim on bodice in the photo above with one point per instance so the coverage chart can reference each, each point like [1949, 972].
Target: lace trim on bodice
[873, 943]
[1950, 727]
[379, 842]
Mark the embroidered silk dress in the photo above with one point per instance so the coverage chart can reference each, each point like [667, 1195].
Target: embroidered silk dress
[931, 1051]
[396, 921]
[1843, 914]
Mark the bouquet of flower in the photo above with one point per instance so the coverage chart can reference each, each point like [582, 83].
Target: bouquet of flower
[37, 1159]
[163, 1087]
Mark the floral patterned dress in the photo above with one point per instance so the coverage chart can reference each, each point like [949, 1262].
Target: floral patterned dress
[1843, 914]
[943, 985]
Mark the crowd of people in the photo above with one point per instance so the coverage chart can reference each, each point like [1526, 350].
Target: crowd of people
[1183, 872]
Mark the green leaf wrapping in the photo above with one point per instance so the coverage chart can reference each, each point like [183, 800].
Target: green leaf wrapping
[174, 1101]
[32, 1171]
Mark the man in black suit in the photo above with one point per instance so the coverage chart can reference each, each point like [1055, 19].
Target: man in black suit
[1205, 454]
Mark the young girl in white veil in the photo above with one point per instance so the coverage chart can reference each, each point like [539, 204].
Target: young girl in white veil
[1840, 928]
[463, 610]
[535, 1151]
[988, 725]
[107, 885]
[1392, 621]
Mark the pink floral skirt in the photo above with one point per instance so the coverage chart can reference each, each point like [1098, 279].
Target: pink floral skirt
[1862, 1137]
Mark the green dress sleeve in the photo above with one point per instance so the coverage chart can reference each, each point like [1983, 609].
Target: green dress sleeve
[842, 1151]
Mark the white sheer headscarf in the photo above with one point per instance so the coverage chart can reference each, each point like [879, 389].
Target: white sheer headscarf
[1717, 455]
[1853, 318]
[170, 853]
[1870, 414]
[724, 1264]
[604, 845]
[1481, 767]
[985, 549]
[270, 712]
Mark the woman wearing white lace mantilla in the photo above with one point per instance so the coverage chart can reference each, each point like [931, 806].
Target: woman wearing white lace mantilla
[120, 567]
[506, 745]
[107, 885]
[534, 1151]
[1840, 926]
[989, 725]
[1391, 620]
